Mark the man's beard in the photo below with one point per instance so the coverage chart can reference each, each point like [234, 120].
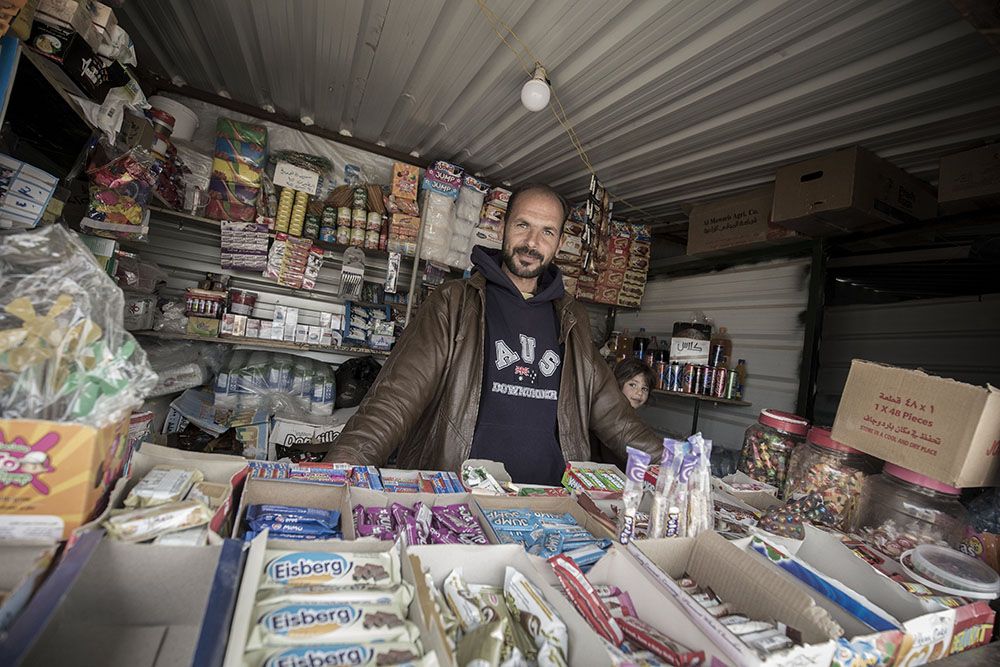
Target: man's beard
[512, 265]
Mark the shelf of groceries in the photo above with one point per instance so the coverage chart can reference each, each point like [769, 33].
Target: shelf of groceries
[263, 343]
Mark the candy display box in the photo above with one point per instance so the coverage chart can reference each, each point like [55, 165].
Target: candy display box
[369, 498]
[56, 475]
[920, 630]
[111, 603]
[749, 586]
[938, 427]
[297, 494]
[488, 565]
[544, 504]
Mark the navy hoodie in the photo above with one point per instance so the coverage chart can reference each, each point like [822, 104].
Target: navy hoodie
[517, 422]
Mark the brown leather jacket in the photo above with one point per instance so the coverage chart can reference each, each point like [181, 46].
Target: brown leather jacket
[426, 397]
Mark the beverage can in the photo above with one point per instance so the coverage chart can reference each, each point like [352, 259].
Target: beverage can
[662, 375]
[709, 381]
[720, 382]
[698, 383]
[687, 381]
[731, 382]
[675, 376]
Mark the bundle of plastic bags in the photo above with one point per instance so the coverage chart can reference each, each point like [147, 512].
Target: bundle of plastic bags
[64, 353]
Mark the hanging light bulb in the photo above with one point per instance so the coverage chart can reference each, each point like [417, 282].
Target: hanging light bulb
[535, 92]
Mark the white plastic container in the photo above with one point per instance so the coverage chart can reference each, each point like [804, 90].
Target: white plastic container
[185, 120]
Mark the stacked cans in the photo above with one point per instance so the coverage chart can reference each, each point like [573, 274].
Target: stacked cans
[714, 381]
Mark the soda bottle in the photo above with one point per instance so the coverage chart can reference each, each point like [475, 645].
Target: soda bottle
[662, 352]
[624, 346]
[722, 346]
[640, 343]
[649, 356]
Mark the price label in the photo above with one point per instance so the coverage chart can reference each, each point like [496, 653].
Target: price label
[288, 175]
[24, 193]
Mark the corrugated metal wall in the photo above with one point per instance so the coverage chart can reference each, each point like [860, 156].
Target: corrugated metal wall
[189, 250]
[957, 338]
[762, 307]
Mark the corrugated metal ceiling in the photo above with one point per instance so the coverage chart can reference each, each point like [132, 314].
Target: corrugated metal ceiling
[675, 102]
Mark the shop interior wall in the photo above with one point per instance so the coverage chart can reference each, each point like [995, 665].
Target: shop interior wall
[763, 308]
[187, 251]
[955, 337]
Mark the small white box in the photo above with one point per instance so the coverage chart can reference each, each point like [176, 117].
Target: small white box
[301, 333]
[314, 335]
[324, 319]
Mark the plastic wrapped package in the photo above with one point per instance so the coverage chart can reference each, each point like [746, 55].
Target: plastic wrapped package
[169, 317]
[469, 204]
[438, 214]
[297, 387]
[119, 193]
[64, 353]
[136, 275]
[138, 312]
[182, 365]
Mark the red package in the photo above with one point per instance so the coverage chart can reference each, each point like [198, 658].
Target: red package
[583, 596]
[652, 639]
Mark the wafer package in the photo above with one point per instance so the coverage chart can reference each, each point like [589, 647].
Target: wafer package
[151, 522]
[307, 568]
[163, 484]
[305, 624]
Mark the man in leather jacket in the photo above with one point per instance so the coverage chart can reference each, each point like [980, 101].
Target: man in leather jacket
[499, 366]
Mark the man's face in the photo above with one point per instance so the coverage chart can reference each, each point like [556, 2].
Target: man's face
[531, 234]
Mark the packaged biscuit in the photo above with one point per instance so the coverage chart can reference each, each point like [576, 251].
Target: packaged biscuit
[192, 537]
[484, 645]
[149, 522]
[397, 598]
[161, 485]
[212, 494]
[361, 654]
[304, 624]
[313, 568]
[542, 623]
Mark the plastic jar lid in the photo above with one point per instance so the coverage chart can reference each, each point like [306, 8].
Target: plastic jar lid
[819, 435]
[784, 421]
[951, 571]
[918, 479]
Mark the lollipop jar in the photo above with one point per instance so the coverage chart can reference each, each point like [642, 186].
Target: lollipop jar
[900, 509]
[832, 469]
[767, 445]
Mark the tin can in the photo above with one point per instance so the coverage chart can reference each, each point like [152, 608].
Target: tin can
[731, 383]
[360, 198]
[720, 382]
[715, 358]
[344, 233]
[706, 387]
[344, 216]
[675, 376]
[698, 384]
[662, 375]
[373, 221]
[687, 381]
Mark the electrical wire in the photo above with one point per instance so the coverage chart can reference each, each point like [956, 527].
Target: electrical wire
[562, 119]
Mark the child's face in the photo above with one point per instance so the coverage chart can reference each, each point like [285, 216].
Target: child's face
[636, 390]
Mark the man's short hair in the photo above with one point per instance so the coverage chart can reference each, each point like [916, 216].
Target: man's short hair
[544, 189]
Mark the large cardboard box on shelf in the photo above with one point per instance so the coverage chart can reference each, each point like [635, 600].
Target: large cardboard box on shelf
[298, 494]
[749, 586]
[970, 179]
[847, 191]
[742, 222]
[56, 475]
[938, 427]
[924, 631]
[115, 604]
[488, 565]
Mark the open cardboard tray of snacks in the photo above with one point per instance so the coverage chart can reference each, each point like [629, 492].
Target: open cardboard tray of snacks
[925, 627]
[24, 564]
[110, 603]
[749, 586]
[299, 494]
[488, 565]
[369, 498]
[559, 504]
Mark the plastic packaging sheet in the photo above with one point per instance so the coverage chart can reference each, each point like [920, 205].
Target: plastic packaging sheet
[64, 353]
[182, 364]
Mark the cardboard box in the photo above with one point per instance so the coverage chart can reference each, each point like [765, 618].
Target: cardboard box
[935, 426]
[56, 475]
[297, 494]
[926, 627]
[25, 563]
[971, 178]
[294, 433]
[488, 565]
[846, 191]
[136, 131]
[559, 504]
[743, 222]
[115, 604]
[750, 586]
[203, 326]
[370, 498]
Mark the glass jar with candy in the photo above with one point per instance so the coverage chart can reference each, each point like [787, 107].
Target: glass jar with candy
[832, 469]
[767, 445]
[900, 509]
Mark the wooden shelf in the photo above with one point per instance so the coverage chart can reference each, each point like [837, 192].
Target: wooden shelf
[265, 343]
[712, 399]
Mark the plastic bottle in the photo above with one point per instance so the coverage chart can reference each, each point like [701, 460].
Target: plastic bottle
[721, 338]
[649, 355]
[741, 378]
[662, 352]
[322, 391]
[223, 399]
[640, 343]
[624, 346]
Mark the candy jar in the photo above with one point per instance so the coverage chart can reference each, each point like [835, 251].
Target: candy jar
[767, 445]
[900, 509]
[834, 470]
